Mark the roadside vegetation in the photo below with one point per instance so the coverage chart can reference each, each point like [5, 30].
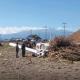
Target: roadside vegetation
[64, 48]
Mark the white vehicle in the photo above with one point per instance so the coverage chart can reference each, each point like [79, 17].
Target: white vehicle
[41, 48]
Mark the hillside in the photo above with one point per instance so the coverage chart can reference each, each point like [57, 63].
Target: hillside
[76, 36]
[50, 34]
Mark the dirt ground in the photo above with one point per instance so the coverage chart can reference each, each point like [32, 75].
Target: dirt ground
[12, 68]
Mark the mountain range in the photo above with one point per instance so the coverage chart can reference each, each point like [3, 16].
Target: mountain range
[45, 34]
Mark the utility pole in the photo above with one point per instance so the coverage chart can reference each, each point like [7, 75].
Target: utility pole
[50, 32]
[45, 32]
[64, 26]
[31, 31]
[0, 38]
[50, 36]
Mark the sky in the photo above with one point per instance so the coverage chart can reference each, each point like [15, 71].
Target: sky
[16, 14]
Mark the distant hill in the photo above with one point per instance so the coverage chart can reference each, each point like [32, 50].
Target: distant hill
[24, 34]
[76, 36]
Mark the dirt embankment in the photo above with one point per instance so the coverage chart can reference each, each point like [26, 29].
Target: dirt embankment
[76, 36]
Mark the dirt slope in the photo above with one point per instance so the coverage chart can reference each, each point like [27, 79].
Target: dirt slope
[76, 36]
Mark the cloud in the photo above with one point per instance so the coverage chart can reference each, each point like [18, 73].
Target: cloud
[77, 28]
[59, 28]
[15, 29]
[66, 28]
[72, 29]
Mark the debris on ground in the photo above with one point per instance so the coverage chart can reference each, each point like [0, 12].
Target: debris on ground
[65, 48]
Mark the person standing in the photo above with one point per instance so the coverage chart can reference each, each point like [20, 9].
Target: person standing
[23, 49]
[17, 50]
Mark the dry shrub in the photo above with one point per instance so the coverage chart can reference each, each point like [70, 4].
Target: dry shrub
[74, 56]
[62, 41]
[1, 44]
[66, 48]
[59, 42]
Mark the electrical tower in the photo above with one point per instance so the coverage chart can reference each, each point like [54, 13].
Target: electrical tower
[45, 32]
[0, 37]
[31, 31]
[64, 26]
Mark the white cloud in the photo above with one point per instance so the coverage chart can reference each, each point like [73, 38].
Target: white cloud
[59, 28]
[15, 29]
[66, 28]
[72, 29]
[77, 28]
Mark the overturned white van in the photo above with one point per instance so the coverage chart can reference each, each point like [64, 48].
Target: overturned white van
[42, 48]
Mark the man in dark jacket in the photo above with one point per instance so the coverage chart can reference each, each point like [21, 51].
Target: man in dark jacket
[17, 50]
[23, 49]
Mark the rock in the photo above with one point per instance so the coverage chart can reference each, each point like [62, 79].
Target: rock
[59, 67]
[5, 59]
[0, 54]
